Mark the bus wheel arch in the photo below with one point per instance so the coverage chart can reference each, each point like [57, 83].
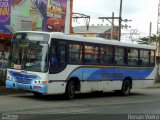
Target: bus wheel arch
[73, 84]
[126, 86]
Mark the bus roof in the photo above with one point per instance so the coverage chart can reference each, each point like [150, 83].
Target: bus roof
[60, 35]
[100, 40]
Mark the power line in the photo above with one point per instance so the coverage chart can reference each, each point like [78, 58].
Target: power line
[120, 26]
[85, 17]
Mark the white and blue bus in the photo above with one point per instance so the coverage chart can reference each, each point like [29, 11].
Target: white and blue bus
[55, 63]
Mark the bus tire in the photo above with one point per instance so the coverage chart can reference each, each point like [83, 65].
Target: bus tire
[70, 90]
[126, 87]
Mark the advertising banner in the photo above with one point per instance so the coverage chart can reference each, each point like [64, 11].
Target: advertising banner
[56, 15]
[33, 15]
[5, 11]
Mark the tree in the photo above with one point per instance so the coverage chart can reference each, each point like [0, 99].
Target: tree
[149, 40]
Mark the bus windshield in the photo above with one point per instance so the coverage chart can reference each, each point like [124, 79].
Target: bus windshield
[29, 55]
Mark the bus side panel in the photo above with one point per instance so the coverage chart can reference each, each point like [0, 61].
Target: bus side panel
[137, 84]
[150, 82]
[57, 82]
[111, 78]
[87, 87]
[98, 78]
[105, 86]
[56, 87]
[109, 85]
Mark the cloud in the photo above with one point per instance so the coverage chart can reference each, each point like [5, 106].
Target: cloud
[141, 12]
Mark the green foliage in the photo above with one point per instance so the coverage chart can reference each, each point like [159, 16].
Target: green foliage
[148, 40]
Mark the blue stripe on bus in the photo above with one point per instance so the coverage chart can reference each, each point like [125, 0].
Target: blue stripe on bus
[110, 73]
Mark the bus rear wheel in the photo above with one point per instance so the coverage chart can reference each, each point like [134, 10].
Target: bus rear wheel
[126, 87]
[70, 90]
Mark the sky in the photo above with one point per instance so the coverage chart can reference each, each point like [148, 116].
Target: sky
[141, 12]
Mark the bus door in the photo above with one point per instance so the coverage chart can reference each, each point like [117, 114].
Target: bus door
[58, 57]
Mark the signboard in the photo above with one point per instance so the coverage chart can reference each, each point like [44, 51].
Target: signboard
[56, 13]
[33, 15]
[5, 11]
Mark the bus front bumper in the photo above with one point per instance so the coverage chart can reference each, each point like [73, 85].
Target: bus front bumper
[40, 88]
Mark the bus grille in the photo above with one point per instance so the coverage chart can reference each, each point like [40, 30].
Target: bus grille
[24, 80]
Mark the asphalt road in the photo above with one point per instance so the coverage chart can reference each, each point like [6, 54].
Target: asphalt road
[142, 104]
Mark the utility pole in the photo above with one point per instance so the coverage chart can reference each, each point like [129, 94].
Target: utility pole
[86, 18]
[158, 42]
[112, 27]
[112, 23]
[150, 32]
[120, 20]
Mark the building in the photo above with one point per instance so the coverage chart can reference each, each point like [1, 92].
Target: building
[103, 31]
[34, 15]
[25, 16]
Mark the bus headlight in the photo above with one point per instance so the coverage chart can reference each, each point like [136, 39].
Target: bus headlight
[9, 78]
[40, 82]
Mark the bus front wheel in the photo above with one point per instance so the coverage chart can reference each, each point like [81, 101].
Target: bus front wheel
[70, 90]
[126, 88]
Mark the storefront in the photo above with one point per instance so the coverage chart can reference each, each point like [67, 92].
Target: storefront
[5, 44]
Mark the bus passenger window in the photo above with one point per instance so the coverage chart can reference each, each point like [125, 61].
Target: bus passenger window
[144, 57]
[75, 53]
[132, 57]
[91, 55]
[119, 56]
[140, 62]
[152, 57]
[106, 55]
